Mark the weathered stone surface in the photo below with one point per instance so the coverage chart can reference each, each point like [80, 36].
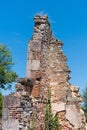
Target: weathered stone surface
[35, 65]
[11, 101]
[53, 83]
[57, 107]
[36, 46]
[73, 116]
[5, 113]
[10, 124]
[5, 103]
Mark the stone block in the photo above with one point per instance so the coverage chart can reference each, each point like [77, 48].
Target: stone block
[35, 91]
[35, 65]
[28, 73]
[36, 74]
[5, 114]
[5, 101]
[73, 99]
[36, 46]
[13, 101]
[36, 55]
[53, 83]
[10, 124]
[58, 106]
[73, 116]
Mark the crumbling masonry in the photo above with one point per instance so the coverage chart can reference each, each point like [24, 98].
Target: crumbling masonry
[46, 68]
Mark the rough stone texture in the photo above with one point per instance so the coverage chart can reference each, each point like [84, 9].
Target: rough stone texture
[10, 124]
[46, 68]
[17, 108]
[73, 116]
[57, 107]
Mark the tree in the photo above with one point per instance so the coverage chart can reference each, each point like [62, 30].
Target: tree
[7, 76]
[84, 107]
[0, 104]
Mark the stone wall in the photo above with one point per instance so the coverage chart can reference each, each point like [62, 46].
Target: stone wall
[17, 108]
[46, 69]
[47, 63]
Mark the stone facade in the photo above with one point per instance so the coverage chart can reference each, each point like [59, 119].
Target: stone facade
[46, 69]
[17, 108]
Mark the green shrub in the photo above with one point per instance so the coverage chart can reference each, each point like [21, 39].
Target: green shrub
[51, 122]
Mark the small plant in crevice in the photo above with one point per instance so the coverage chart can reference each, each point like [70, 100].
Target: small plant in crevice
[32, 124]
[51, 122]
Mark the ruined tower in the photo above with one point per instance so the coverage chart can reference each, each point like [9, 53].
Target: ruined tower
[46, 64]
[46, 69]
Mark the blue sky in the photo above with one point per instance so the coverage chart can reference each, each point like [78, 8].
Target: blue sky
[68, 20]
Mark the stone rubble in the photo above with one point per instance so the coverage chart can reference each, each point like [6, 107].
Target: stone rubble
[46, 69]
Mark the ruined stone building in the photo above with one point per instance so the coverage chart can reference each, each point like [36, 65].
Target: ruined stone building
[46, 69]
